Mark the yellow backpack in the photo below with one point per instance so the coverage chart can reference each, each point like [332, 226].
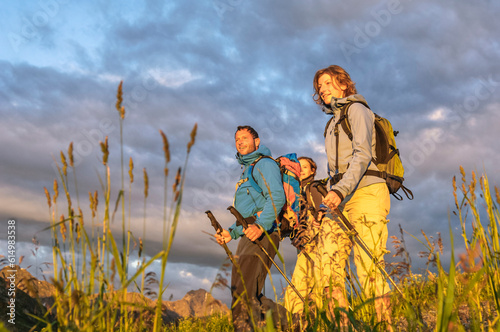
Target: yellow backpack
[388, 160]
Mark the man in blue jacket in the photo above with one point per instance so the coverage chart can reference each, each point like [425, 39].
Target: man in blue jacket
[260, 209]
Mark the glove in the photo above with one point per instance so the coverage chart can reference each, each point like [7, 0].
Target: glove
[301, 237]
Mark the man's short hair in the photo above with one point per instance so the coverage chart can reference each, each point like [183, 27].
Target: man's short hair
[250, 130]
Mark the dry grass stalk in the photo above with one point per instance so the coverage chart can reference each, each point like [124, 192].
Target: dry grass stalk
[104, 150]
[47, 194]
[193, 136]
[56, 191]
[70, 155]
[65, 164]
[130, 170]
[119, 100]
[166, 149]
[146, 182]
[63, 227]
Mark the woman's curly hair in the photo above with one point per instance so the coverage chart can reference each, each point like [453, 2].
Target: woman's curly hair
[340, 76]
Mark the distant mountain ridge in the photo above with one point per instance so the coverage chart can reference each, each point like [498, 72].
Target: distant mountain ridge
[35, 297]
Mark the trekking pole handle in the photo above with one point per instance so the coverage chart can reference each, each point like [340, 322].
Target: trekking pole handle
[323, 193]
[321, 190]
[218, 229]
[215, 223]
[238, 216]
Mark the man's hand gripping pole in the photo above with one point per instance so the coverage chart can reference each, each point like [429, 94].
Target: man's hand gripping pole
[218, 230]
[243, 222]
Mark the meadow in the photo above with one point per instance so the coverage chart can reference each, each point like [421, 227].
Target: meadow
[92, 268]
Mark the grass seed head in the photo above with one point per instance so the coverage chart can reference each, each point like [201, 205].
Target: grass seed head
[105, 151]
[47, 194]
[177, 180]
[455, 191]
[140, 247]
[440, 243]
[72, 220]
[78, 232]
[80, 215]
[193, 136]
[65, 164]
[146, 183]
[70, 155]
[119, 100]
[463, 173]
[56, 191]
[91, 200]
[165, 146]
[472, 186]
[130, 170]
[63, 228]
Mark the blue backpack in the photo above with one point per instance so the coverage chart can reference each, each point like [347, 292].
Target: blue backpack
[290, 175]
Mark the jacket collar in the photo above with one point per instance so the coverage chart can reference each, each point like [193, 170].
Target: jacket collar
[307, 180]
[247, 159]
[337, 103]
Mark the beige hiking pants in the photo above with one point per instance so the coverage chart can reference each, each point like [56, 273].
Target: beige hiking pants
[328, 253]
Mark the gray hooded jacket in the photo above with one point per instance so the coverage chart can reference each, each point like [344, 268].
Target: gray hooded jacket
[355, 156]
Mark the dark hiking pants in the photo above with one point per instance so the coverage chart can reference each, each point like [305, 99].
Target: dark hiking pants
[250, 258]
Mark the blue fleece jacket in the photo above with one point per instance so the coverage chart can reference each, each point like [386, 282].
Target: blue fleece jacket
[249, 201]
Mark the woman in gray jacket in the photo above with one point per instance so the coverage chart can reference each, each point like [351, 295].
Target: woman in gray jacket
[363, 198]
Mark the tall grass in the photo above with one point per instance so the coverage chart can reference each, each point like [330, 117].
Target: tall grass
[461, 296]
[91, 271]
[464, 295]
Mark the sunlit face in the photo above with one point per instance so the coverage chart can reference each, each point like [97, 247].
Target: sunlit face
[328, 88]
[305, 169]
[245, 143]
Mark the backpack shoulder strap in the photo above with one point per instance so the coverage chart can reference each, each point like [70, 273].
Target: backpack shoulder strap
[307, 192]
[344, 120]
[327, 125]
[251, 178]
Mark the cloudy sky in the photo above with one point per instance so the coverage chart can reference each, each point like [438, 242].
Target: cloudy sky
[431, 67]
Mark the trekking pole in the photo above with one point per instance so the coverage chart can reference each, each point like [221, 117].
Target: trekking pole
[360, 241]
[240, 218]
[218, 230]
